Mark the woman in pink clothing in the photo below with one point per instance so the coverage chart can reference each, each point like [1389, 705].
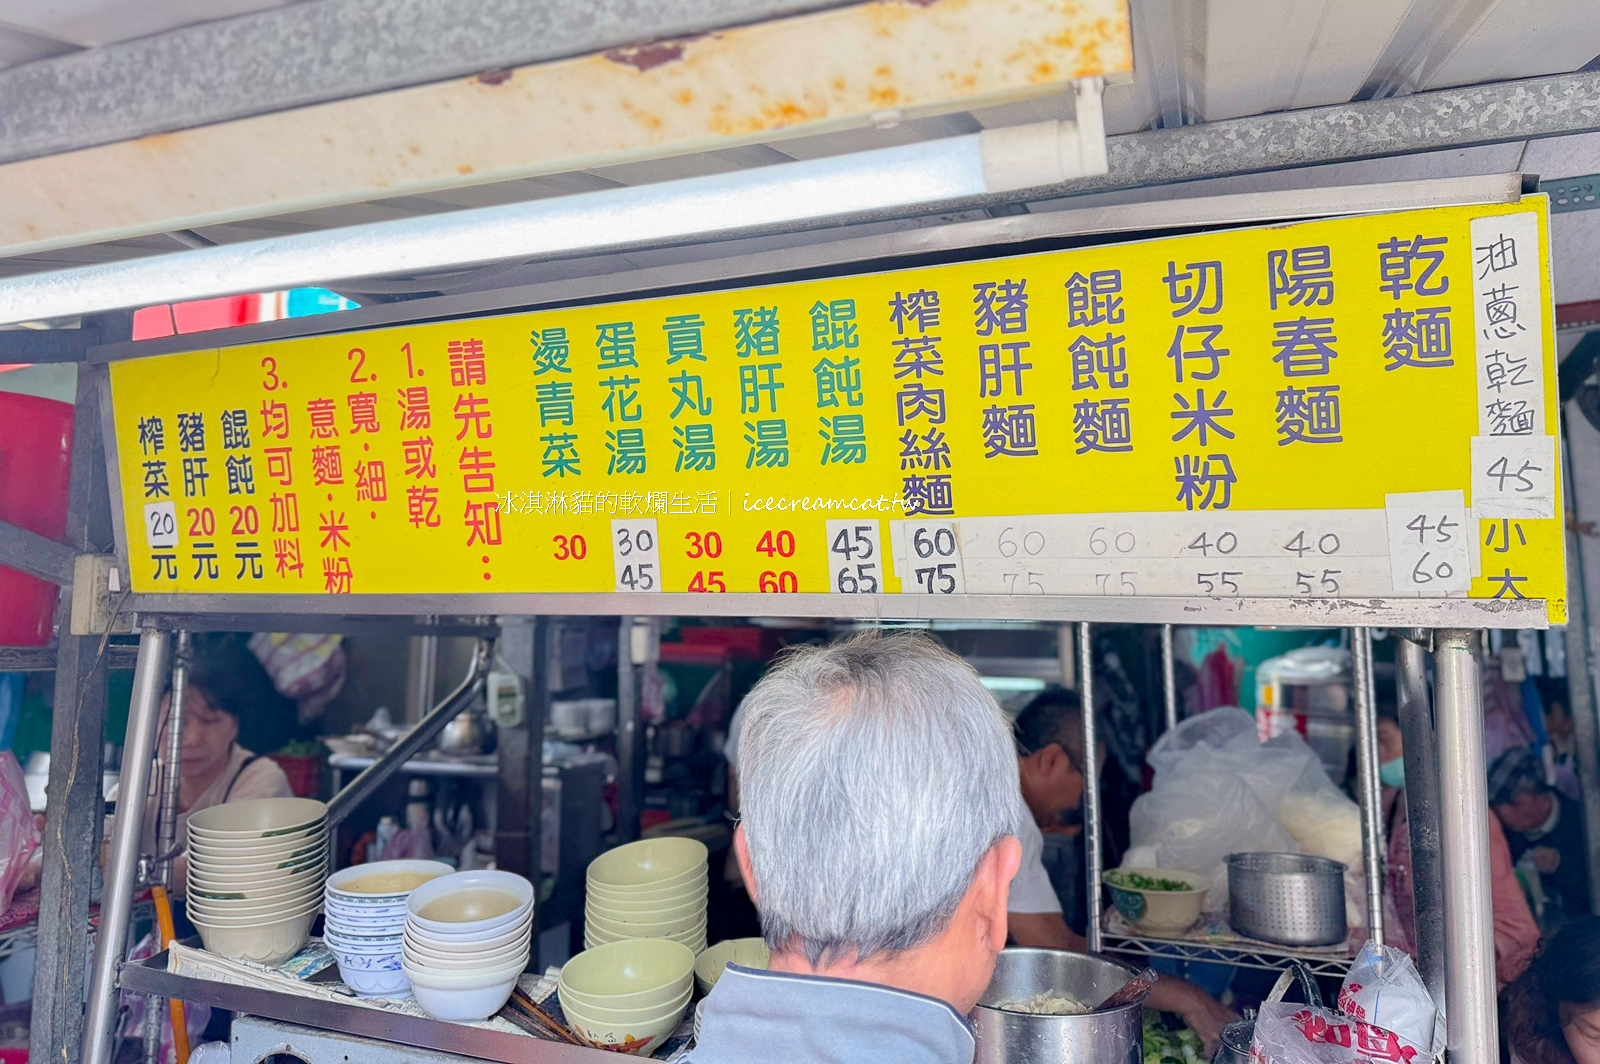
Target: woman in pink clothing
[1516, 935]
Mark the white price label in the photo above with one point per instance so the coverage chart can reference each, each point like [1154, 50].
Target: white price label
[636, 554]
[855, 558]
[1514, 476]
[928, 558]
[1429, 547]
[161, 525]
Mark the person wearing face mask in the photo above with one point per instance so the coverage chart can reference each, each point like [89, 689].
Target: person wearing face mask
[1516, 934]
[1553, 1010]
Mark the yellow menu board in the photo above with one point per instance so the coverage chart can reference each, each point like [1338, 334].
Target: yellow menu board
[1361, 408]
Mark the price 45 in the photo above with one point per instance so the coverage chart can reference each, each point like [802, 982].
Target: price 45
[854, 558]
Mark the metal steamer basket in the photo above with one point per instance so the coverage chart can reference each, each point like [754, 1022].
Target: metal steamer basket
[1007, 1037]
[1289, 899]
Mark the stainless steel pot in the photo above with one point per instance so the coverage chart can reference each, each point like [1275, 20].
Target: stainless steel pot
[1006, 1037]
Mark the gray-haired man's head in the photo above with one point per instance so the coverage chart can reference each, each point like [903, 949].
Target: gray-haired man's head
[877, 776]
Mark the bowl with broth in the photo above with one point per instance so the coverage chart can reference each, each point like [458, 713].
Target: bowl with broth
[382, 883]
[475, 904]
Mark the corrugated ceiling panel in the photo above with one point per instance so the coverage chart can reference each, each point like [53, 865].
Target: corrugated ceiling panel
[1307, 54]
[1522, 39]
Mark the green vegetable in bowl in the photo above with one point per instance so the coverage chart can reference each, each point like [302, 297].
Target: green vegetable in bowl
[1164, 1045]
[1135, 881]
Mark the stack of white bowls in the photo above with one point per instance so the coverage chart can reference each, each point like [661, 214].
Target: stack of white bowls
[467, 938]
[365, 910]
[255, 876]
[654, 888]
[627, 996]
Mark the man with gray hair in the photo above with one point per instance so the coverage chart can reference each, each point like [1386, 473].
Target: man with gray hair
[879, 795]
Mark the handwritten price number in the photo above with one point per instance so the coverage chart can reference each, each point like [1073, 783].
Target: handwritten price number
[1501, 471]
[1226, 543]
[774, 582]
[1122, 542]
[637, 575]
[202, 522]
[1030, 543]
[570, 548]
[1329, 584]
[161, 525]
[1442, 532]
[858, 575]
[1216, 585]
[938, 577]
[1301, 545]
[1123, 585]
[708, 582]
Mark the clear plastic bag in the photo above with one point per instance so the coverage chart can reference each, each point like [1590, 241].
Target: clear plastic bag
[1383, 987]
[19, 836]
[1216, 792]
[1306, 1034]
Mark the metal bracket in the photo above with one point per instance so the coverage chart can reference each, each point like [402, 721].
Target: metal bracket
[1423, 637]
[97, 596]
[1572, 193]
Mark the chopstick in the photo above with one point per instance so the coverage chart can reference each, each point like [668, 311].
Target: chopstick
[523, 1006]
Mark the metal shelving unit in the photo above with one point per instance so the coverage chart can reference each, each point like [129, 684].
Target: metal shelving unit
[1109, 932]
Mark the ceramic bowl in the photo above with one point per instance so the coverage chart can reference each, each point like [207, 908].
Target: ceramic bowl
[635, 907]
[635, 1038]
[450, 964]
[631, 973]
[681, 929]
[456, 946]
[648, 863]
[745, 952]
[1163, 912]
[390, 947]
[270, 943]
[601, 1012]
[464, 891]
[680, 893]
[695, 946]
[375, 982]
[277, 878]
[464, 996]
[630, 1005]
[464, 1004]
[355, 873]
[261, 855]
[254, 910]
[258, 818]
[365, 925]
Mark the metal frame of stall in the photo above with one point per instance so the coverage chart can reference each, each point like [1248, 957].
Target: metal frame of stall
[1464, 949]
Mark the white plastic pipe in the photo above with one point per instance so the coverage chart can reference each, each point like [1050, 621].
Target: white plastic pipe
[953, 168]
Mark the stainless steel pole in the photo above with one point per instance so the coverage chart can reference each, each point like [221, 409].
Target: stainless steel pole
[1422, 811]
[159, 866]
[1169, 678]
[1093, 857]
[1464, 822]
[121, 872]
[167, 810]
[1371, 791]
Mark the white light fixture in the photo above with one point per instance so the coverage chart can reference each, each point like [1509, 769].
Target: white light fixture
[993, 161]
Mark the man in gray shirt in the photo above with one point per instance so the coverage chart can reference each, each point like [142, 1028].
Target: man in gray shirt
[879, 795]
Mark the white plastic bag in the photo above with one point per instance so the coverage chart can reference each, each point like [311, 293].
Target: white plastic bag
[1383, 988]
[1216, 792]
[1197, 820]
[1306, 1034]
